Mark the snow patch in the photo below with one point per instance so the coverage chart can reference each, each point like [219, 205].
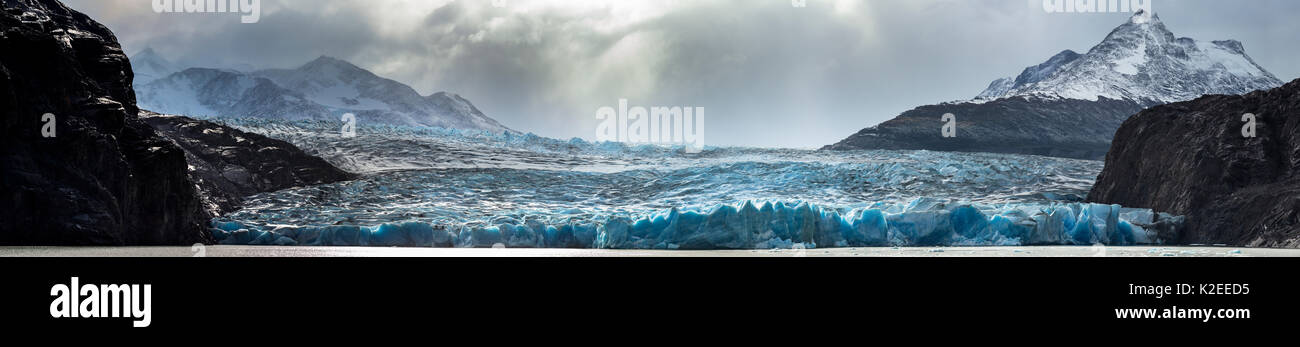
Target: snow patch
[1129, 65]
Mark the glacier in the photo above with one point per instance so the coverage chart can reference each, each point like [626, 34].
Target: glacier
[754, 226]
[436, 187]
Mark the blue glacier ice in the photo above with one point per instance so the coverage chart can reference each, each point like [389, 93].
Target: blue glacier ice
[430, 187]
[748, 226]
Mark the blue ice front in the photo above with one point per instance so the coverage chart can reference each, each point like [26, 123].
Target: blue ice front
[759, 226]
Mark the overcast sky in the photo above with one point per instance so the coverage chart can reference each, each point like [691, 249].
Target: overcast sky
[767, 73]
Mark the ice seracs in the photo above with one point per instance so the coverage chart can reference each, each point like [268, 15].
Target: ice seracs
[751, 225]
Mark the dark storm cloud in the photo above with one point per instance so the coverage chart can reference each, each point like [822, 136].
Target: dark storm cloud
[767, 73]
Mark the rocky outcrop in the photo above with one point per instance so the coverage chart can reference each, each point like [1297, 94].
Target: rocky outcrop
[1026, 125]
[104, 177]
[229, 164]
[1192, 158]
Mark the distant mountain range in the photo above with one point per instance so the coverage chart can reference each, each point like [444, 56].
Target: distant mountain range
[1071, 105]
[325, 89]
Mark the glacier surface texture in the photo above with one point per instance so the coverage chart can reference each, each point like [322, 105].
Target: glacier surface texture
[433, 187]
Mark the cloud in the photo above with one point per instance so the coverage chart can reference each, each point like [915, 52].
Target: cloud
[768, 73]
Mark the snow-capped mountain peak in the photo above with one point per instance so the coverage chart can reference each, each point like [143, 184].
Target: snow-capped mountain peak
[148, 66]
[332, 66]
[147, 52]
[1143, 17]
[325, 88]
[1031, 74]
[1141, 60]
[455, 104]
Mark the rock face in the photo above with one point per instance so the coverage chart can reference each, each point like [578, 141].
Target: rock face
[1191, 158]
[1027, 125]
[229, 164]
[105, 177]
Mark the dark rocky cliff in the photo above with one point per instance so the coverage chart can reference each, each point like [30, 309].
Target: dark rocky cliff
[229, 164]
[1051, 127]
[108, 176]
[105, 178]
[1191, 158]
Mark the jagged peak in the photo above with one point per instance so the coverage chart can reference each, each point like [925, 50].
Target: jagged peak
[1038, 72]
[149, 54]
[1231, 45]
[1141, 45]
[1064, 56]
[1142, 20]
[328, 61]
[325, 59]
[147, 51]
[445, 95]
[1141, 26]
[193, 71]
[1144, 17]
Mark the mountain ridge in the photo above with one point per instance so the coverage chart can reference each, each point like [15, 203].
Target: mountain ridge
[324, 89]
[1071, 105]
